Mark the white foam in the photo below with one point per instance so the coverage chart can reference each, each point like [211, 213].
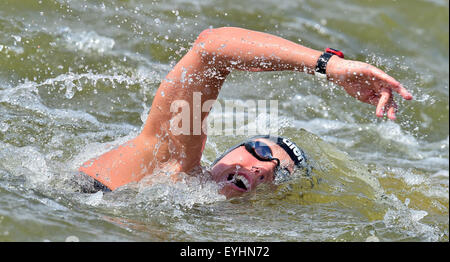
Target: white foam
[87, 41]
[15, 49]
[400, 216]
[25, 161]
[186, 192]
[94, 199]
[372, 239]
[392, 131]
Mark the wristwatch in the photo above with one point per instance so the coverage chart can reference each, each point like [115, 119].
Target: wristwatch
[321, 66]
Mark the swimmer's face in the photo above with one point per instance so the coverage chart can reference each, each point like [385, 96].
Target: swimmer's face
[240, 172]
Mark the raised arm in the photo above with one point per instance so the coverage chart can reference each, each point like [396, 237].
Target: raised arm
[231, 48]
[200, 74]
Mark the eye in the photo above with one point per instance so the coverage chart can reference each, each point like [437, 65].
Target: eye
[261, 177]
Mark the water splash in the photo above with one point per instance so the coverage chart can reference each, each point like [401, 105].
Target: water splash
[400, 216]
[86, 41]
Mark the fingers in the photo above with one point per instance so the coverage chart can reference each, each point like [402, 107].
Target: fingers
[386, 102]
[397, 87]
[382, 102]
[404, 93]
[392, 109]
[394, 84]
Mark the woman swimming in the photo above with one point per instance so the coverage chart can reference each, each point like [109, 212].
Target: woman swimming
[203, 70]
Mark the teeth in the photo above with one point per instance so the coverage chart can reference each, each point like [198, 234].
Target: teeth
[243, 179]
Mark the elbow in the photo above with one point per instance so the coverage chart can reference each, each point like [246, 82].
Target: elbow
[204, 35]
[209, 40]
[202, 44]
[208, 45]
[210, 33]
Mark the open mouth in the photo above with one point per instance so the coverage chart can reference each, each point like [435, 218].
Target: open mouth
[239, 181]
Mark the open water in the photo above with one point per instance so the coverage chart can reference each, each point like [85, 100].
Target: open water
[78, 77]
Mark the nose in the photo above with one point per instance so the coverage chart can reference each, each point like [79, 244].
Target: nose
[256, 169]
[259, 175]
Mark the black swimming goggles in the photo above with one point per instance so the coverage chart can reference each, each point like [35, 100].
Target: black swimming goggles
[258, 149]
[262, 152]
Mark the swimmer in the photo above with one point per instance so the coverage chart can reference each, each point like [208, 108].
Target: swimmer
[204, 68]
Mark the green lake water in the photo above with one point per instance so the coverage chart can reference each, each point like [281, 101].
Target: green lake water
[78, 77]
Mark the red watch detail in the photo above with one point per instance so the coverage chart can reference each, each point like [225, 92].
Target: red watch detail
[334, 52]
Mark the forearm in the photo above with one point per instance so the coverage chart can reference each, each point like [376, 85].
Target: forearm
[235, 48]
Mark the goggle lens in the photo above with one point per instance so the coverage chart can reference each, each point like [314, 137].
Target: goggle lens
[261, 149]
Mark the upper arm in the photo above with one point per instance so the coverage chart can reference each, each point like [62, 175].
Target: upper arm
[176, 114]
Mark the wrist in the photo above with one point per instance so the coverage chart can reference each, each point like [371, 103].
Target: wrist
[322, 68]
[333, 66]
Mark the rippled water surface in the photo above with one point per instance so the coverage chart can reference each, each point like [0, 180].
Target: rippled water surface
[78, 77]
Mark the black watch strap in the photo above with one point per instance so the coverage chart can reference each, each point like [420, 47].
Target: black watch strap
[322, 62]
[321, 66]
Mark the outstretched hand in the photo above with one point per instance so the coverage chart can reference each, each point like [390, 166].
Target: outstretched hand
[367, 84]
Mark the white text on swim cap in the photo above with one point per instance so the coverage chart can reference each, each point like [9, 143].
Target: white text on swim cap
[294, 149]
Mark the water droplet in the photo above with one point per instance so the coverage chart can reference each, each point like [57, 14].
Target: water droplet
[17, 38]
[69, 92]
[4, 127]
[183, 75]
